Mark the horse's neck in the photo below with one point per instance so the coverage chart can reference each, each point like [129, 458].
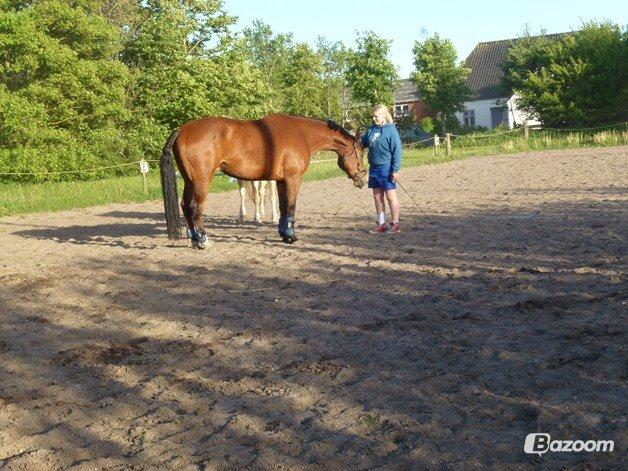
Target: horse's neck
[320, 137]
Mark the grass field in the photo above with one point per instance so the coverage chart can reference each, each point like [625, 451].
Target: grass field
[19, 198]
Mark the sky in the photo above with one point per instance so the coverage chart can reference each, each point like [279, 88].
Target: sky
[465, 23]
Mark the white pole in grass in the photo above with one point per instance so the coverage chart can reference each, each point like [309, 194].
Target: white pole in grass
[143, 171]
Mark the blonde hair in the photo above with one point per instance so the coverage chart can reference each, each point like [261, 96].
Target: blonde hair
[385, 111]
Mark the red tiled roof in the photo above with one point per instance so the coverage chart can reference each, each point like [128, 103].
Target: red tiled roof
[406, 91]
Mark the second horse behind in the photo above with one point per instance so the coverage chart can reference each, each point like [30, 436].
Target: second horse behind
[257, 191]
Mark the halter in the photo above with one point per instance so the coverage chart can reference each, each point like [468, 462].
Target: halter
[359, 174]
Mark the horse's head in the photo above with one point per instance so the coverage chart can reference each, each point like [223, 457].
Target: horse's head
[351, 160]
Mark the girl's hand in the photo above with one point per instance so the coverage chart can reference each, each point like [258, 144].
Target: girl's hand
[394, 176]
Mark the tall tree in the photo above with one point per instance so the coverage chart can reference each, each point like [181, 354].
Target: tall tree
[270, 53]
[371, 75]
[335, 62]
[249, 96]
[302, 83]
[62, 92]
[170, 55]
[578, 79]
[442, 83]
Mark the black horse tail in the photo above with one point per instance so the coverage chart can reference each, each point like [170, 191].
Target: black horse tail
[169, 187]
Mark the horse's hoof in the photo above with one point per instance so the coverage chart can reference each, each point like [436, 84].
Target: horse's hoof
[202, 243]
[289, 239]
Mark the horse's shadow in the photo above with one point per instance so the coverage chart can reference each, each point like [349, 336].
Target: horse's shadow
[103, 234]
[215, 222]
[158, 216]
[113, 234]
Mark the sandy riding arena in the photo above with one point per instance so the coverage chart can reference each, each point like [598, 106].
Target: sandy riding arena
[441, 347]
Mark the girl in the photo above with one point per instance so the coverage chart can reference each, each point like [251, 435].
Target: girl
[385, 158]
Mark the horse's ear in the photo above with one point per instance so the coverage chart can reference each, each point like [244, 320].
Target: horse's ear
[357, 135]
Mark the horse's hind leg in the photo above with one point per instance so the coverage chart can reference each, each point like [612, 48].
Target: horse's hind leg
[194, 196]
[188, 205]
[200, 195]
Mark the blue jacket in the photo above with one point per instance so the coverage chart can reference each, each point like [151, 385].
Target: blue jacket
[384, 146]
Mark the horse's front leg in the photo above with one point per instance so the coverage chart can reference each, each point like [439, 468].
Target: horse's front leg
[288, 190]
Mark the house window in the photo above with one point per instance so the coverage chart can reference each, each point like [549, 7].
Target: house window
[402, 110]
[469, 118]
[499, 116]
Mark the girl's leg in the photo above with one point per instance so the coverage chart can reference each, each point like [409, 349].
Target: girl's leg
[391, 196]
[380, 204]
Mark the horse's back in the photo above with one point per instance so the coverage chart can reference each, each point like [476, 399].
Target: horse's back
[244, 149]
[208, 132]
[275, 128]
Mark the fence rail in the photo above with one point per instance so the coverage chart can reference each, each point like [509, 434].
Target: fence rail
[517, 139]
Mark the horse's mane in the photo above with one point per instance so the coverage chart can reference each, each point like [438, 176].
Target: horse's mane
[330, 124]
[337, 127]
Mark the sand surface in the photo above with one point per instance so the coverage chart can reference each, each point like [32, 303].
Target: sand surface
[438, 348]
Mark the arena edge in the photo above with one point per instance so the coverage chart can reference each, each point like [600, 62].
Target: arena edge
[542, 443]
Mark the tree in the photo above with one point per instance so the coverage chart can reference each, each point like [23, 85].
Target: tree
[577, 79]
[248, 97]
[335, 62]
[62, 92]
[303, 88]
[370, 74]
[270, 54]
[442, 83]
[301, 80]
[172, 57]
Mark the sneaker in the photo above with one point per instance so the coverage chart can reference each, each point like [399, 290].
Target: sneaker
[394, 228]
[380, 228]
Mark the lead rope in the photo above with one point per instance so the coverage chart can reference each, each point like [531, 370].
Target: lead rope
[415, 203]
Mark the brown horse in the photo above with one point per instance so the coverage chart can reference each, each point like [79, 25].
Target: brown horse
[277, 147]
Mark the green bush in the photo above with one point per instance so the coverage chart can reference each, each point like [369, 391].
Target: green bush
[577, 79]
[427, 124]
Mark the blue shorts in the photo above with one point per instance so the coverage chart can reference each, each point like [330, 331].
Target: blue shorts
[379, 177]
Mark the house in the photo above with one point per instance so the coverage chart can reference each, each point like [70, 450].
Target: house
[490, 107]
[408, 101]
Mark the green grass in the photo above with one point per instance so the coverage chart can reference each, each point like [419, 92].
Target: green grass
[20, 198]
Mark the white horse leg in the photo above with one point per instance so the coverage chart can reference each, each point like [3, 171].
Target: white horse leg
[262, 193]
[273, 201]
[257, 201]
[242, 212]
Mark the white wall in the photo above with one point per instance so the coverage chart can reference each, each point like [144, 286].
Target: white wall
[519, 116]
[482, 110]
